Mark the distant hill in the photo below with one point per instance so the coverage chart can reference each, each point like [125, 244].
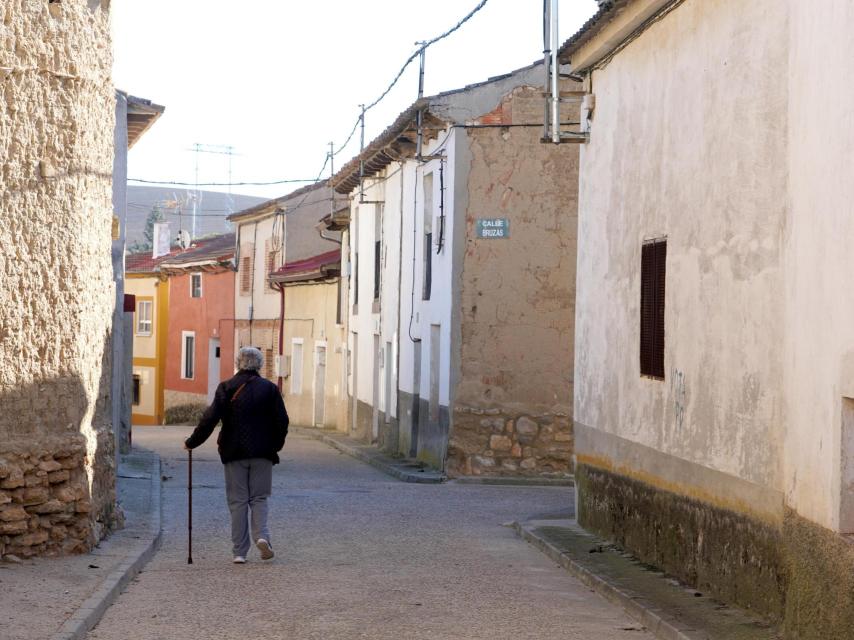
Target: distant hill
[212, 209]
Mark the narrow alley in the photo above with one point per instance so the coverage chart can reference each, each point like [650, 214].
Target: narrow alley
[358, 555]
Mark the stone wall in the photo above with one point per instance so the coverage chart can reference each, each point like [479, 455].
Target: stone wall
[494, 443]
[172, 398]
[56, 291]
[44, 503]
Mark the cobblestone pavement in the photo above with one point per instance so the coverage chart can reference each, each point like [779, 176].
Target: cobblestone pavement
[359, 555]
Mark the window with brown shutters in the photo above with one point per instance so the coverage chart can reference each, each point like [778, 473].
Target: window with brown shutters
[245, 275]
[271, 264]
[268, 364]
[653, 269]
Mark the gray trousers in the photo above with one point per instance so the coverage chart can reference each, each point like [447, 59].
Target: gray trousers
[248, 484]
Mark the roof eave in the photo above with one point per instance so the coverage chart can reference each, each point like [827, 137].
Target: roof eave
[608, 29]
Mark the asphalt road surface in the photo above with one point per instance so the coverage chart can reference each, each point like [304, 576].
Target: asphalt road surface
[358, 555]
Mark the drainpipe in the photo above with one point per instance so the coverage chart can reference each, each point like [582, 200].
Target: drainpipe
[547, 57]
[281, 288]
[555, 70]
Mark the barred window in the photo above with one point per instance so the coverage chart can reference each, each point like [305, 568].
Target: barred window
[653, 263]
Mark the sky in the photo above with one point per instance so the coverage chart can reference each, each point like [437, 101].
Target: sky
[278, 80]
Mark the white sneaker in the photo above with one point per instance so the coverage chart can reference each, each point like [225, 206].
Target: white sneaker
[239, 560]
[265, 549]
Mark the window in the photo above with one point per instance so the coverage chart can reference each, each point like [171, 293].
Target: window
[196, 285]
[245, 275]
[268, 363]
[136, 387]
[188, 355]
[271, 263]
[143, 317]
[653, 263]
[296, 366]
[427, 282]
[245, 268]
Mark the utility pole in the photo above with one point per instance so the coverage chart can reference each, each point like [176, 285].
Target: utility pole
[421, 56]
[361, 159]
[332, 173]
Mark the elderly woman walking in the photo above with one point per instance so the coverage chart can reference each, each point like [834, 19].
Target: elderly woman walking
[254, 428]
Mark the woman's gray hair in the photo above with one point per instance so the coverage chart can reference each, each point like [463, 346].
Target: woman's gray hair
[250, 358]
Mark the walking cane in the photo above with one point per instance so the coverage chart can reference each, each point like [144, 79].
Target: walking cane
[190, 506]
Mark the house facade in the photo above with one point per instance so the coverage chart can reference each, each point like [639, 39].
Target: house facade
[268, 235]
[150, 291]
[57, 469]
[713, 366]
[200, 335]
[462, 269]
[314, 342]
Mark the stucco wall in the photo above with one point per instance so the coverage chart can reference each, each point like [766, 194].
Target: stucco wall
[693, 155]
[56, 293]
[310, 316]
[253, 239]
[209, 317]
[819, 349]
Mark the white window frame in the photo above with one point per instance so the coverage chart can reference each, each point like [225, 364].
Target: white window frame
[296, 366]
[193, 276]
[139, 320]
[184, 336]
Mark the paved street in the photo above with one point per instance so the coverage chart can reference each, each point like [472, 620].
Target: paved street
[359, 555]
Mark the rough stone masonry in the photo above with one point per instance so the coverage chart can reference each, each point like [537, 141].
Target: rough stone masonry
[57, 476]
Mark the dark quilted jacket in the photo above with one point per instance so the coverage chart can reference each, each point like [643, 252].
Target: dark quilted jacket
[254, 419]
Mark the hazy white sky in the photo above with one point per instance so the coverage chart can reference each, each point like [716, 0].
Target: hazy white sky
[278, 80]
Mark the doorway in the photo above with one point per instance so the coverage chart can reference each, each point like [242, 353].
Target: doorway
[375, 409]
[354, 360]
[213, 367]
[319, 385]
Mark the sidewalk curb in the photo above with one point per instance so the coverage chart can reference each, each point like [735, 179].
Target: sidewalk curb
[648, 617]
[92, 610]
[511, 481]
[376, 460]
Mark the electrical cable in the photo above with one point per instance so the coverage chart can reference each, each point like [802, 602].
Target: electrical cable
[406, 64]
[220, 184]
[349, 138]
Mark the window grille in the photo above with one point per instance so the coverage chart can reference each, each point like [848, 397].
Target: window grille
[653, 270]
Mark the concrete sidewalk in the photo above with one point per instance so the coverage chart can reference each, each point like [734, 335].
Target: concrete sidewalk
[407, 470]
[400, 468]
[63, 598]
[668, 609]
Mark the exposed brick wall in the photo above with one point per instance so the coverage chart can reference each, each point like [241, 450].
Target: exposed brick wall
[56, 290]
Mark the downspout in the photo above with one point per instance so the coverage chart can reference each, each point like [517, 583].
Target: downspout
[547, 57]
[555, 71]
[281, 288]
[252, 283]
[399, 291]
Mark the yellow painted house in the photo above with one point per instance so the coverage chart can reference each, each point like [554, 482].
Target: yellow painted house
[150, 322]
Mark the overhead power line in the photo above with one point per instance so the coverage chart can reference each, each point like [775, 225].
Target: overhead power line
[220, 184]
[406, 64]
[422, 47]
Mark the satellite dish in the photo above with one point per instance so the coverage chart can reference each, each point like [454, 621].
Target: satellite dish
[184, 239]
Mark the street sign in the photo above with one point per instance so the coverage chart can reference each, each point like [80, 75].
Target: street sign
[493, 228]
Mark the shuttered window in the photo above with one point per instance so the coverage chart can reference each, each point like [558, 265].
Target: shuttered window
[268, 364]
[653, 263]
[272, 265]
[245, 275]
